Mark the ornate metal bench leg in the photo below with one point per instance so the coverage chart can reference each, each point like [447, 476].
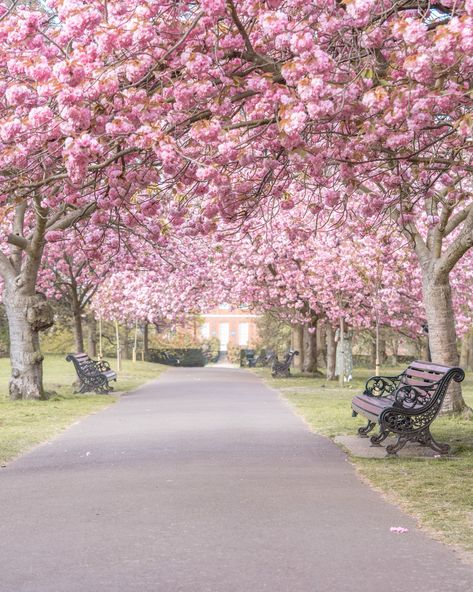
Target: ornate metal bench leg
[84, 387]
[393, 449]
[426, 439]
[103, 388]
[364, 431]
[376, 440]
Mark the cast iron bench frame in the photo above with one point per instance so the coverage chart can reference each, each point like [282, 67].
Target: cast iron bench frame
[282, 369]
[93, 375]
[406, 405]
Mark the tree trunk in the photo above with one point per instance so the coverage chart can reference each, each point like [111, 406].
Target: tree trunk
[310, 347]
[442, 334]
[145, 341]
[382, 350]
[91, 335]
[27, 316]
[425, 350]
[331, 352]
[297, 345]
[372, 354]
[78, 330]
[321, 345]
[395, 346]
[126, 344]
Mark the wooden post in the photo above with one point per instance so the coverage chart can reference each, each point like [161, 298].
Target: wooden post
[117, 337]
[341, 378]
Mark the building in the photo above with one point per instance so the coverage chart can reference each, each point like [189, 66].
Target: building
[233, 327]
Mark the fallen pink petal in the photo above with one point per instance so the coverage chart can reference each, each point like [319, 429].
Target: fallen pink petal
[399, 529]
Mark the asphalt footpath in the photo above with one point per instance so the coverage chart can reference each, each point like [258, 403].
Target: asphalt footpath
[205, 481]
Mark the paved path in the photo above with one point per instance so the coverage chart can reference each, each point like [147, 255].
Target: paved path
[205, 481]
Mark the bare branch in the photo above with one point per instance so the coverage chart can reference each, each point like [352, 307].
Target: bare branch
[74, 217]
[18, 241]
[458, 247]
[457, 219]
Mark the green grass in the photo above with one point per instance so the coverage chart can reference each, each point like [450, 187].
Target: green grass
[438, 492]
[26, 423]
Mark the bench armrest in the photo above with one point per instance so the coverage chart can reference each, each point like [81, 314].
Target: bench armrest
[102, 366]
[414, 396]
[382, 386]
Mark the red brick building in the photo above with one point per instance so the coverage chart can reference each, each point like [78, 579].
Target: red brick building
[230, 326]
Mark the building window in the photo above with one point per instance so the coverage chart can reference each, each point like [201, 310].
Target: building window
[243, 334]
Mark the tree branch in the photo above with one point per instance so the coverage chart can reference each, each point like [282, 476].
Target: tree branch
[457, 248]
[457, 219]
[18, 241]
[74, 217]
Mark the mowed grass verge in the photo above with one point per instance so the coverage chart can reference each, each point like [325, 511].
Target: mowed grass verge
[24, 424]
[438, 492]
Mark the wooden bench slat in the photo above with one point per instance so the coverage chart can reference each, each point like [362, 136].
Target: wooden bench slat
[429, 367]
[422, 374]
[431, 386]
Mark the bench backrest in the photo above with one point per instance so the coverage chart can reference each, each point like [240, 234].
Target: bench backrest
[82, 362]
[429, 374]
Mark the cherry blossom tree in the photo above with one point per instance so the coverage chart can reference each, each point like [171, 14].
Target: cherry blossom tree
[73, 273]
[235, 109]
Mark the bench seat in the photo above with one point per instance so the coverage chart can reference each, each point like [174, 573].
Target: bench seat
[370, 407]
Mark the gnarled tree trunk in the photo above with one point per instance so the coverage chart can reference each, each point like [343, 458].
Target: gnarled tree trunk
[27, 316]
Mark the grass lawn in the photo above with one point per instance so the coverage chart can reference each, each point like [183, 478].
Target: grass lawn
[438, 492]
[26, 423]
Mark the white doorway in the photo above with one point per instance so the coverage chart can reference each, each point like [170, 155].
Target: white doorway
[224, 336]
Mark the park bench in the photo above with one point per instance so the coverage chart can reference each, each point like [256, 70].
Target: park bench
[93, 376]
[406, 405]
[282, 369]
